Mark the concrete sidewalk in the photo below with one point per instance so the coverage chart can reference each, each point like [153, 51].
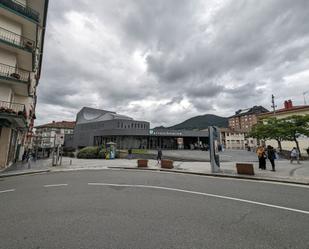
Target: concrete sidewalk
[296, 173]
[285, 172]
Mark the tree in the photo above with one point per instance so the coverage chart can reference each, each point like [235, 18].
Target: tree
[270, 128]
[296, 126]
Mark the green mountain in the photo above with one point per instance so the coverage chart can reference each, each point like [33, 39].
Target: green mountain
[199, 123]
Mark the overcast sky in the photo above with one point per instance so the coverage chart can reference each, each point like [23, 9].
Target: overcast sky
[164, 61]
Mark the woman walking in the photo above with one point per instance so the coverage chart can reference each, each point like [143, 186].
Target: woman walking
[271, 154]
[261, 156]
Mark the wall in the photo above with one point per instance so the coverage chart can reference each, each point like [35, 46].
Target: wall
[288, 145]
[7, 58]
[5, 93]
[5, 137]
[10, 25]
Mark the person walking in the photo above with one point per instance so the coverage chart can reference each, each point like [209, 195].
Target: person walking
[271, 154]
[295, 155]
[261, 156]
[159, 156]
[130, 153]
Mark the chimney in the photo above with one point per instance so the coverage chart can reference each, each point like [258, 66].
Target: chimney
[286, 105]
[290, 104]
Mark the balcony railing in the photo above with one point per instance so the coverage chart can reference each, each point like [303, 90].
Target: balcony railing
[13, 109]
[14, 73]
[16, 40]
[21, 9]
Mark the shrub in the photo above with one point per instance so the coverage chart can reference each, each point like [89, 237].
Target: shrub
[88, 152]
[102, 153]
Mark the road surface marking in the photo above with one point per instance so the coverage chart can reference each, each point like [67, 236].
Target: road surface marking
[203, 194]
[55, 185]
[8, 190]
[189, 173]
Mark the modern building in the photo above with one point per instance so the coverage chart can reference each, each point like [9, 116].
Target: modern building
[243, 120]
[288, 110]
[22, 31]
[96, 127]
[47, 135]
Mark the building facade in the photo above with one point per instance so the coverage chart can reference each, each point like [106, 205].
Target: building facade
[96, 127]
[48, 135]
[288, 110]
[22, 31]
[231, 139]
[243, 120]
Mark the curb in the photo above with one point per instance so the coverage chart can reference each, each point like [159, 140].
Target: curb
[218, 175]
[24, 173]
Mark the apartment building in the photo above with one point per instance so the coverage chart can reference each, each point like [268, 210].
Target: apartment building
[22, 31]
[47, 135]
[231, 139]
[243, 120]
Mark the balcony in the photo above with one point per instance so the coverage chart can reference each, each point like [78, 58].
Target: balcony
[14, 74]
[12, 115]
[21, 9]
[16, 40]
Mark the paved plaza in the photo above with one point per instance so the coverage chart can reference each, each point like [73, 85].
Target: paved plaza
[285, 171]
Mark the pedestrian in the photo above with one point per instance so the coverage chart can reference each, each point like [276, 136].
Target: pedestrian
[159, 156]
[295, 155]
[130, 153]
[262, 157]
[271, 154]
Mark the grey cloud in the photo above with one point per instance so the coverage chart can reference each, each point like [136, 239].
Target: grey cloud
[174, 52]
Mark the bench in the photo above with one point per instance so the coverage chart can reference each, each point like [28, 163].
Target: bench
[166, 164]
[245, 168]
[142, 163]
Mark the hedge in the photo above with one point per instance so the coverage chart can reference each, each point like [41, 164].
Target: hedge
[88, 152]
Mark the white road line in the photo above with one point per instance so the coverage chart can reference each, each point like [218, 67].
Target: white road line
[55, 185]
[224, 178]
[8, 190]
[203, 194]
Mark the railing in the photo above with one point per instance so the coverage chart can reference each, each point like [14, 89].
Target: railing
[16, 39]
[12, 108]
[14, 73]
[21, 8]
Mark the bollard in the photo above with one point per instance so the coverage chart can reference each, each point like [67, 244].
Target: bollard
[70, 161]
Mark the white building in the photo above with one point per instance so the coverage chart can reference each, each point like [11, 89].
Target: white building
[22, 30]
[232, 139]
[48, 135]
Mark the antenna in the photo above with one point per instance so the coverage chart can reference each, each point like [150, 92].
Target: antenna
[273, 103]
[304, 94]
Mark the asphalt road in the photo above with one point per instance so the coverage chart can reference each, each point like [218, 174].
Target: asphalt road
[133, 209]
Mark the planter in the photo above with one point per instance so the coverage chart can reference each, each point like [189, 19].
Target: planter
[166, 164]
[245, 168]
[142, 163]
[15, 75]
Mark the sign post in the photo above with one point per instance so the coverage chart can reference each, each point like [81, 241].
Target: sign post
[213, 149]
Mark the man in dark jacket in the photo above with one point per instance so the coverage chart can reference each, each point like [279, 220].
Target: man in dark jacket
[159, 156]
[271, 154]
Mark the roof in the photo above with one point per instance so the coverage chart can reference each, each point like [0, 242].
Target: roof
[62, 124]
[248, 111]
[286, 110]
[90, 115]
